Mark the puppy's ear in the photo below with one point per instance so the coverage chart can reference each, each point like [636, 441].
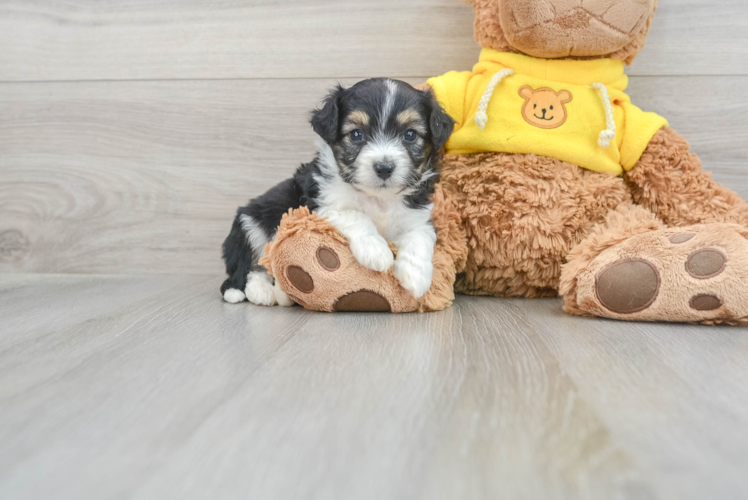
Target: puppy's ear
[325, 119]
[441, 123]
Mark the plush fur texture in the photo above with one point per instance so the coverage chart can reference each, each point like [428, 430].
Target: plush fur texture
[522, 215]
[668, 180]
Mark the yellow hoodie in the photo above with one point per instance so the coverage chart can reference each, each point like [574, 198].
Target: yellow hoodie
[511, 103]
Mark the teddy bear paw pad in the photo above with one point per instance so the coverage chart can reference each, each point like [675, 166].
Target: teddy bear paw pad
[363, 301]
[628, 286]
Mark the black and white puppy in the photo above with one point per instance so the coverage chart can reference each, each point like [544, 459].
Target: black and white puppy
[374, 172]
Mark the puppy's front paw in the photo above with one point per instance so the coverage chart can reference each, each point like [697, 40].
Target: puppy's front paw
[414, 276]
[373, 252]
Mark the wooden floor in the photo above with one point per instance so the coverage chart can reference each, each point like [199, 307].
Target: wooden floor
[129, 133]
[152, 387]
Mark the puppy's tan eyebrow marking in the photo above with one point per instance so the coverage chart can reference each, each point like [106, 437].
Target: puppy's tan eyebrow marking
[357, 119]
[407, 116]
[412, 119]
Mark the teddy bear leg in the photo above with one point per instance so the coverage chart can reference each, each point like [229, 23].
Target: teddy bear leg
[669, 181]
[632, 267]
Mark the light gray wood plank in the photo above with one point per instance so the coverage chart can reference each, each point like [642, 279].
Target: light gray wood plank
[696, 37]
[165, 39]
[276, 408]
[184, 396]
[637, 385]
[128, 177]
[64, 301]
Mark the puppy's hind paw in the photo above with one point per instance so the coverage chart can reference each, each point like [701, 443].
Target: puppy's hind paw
[233, 296]
[373, 252]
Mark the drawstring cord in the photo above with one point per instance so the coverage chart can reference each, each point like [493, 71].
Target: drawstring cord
[609, 133]
[481, 118]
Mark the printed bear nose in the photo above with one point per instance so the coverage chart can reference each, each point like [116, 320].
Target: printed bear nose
[384, 170]
[544, 109]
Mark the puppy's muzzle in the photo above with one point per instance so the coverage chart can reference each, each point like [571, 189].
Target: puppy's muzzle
[384, 170]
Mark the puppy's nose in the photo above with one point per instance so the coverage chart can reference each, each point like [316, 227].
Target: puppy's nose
[384, 170]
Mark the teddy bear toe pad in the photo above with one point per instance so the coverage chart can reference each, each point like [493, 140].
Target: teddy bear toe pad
[694, 275]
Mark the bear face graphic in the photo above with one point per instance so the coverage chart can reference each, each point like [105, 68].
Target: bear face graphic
[544, 108]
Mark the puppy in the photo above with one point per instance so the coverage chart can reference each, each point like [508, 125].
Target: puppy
[372, 177]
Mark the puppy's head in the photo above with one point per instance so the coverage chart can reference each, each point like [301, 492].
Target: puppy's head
[384, 134]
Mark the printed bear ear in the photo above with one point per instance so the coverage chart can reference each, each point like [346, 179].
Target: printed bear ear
[526, 91]
[565, 96]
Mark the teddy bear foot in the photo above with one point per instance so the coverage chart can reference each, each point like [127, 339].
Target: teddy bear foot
[313, 266]
[692, 274]
[327, 277]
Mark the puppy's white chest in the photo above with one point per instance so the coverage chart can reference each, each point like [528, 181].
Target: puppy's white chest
[382, 214]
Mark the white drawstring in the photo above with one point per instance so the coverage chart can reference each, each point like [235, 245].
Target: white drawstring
[609, 133]
[481, 118]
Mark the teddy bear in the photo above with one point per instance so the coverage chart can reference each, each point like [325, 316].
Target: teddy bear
[552, 183]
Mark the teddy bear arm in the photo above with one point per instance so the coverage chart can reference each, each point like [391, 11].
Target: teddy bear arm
[668, 179]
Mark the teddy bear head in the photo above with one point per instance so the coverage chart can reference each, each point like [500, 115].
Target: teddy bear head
[554, 29]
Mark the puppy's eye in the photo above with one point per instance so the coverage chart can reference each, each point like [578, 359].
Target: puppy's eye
[551, 107]
[534, 106]
[410, 135]
[357, 135]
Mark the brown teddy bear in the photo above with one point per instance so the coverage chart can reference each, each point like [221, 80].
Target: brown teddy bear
[552, 182]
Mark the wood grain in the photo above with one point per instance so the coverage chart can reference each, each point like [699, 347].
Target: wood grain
[118, 177]
[696, 37]
[172, 393]
[168, 39]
